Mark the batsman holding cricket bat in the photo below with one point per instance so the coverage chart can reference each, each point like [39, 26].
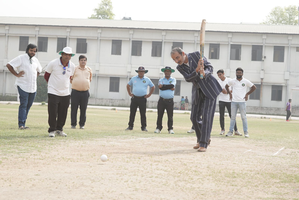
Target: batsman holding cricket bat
[198, 70]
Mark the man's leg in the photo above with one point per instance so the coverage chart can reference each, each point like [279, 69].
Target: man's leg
[228, 107]
[142, 109]
[83, 107]
[23, 96]
[234, 107]
[31, 98]
[62, 111]
[75, 98]
[221, 114]
[169, 108]
[53, 102]
[207, 121]
[242, 107]
[133, 109]
[160, 114]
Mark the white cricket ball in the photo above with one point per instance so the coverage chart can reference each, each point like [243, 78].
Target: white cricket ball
[104, 158]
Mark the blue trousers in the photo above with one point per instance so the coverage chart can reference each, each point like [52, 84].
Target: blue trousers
[26, 101]
[202, 115]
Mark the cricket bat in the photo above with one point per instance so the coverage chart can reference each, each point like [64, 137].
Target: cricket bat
[202, 42]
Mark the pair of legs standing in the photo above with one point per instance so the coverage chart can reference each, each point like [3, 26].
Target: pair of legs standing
[137, 102]
[242, 108]
[222, 106]
[26, 101]
[79, 98]
[162, 105]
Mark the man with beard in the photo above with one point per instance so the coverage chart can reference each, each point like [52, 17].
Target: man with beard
[204, 92]
[239, 97]
[26, 68]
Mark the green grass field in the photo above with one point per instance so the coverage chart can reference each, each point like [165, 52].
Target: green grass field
[145, 165]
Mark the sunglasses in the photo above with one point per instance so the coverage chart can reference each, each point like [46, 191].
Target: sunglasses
[64, 68]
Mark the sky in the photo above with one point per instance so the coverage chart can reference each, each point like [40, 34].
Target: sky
[214, 11]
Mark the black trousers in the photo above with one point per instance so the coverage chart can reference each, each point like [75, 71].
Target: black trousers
[222, 105]
[162, 105]
[79, 98]
[57, 111]
[138, 102]
[288, 114]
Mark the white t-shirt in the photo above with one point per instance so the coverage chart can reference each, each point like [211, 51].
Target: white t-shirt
[22, 63]
[59, 83]
[224, 97]
[239, 88]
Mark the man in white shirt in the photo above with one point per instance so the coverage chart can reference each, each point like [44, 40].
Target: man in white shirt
[58, 74]
[26, 68]
[224, 101]
[239, 97]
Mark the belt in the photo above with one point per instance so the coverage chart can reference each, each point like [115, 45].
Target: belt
[139, 96]
[166, 99]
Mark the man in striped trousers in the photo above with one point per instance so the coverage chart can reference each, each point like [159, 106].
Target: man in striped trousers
[204, 93]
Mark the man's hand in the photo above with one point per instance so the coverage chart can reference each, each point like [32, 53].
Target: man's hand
[172, 89]
[246, 97]
[230, 96]
[160, 85]
[224, 91]
[147, 96]
[20, 74]
[200, 67]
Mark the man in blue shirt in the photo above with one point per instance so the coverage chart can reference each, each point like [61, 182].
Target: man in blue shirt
[167, 87]
[139, 96]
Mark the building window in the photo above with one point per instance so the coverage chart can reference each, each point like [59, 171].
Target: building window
[136, 48]
[114, 84]
[276, 94]
[81, 46]
[177, 90]
[156, 82]
[156, 49]
[214, 51]
[297, 49]
[235, 52]
[42, 44]
[61, 43]
[23, 43]
[256, 93]
[116, 47]
[257, 53]
[278, 54]
[177, 44]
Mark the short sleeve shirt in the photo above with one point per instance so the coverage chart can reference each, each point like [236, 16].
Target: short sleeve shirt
[224, 97]
[240, 89]
[140, 85]
[59, 82]
[167, 94]
[30, 66]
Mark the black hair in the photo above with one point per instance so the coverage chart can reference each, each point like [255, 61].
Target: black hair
[239, 69]
[177, 49]
[82, 56]
[31, 46]
[220, 71]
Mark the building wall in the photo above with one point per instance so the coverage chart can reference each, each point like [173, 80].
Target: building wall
[105, 65]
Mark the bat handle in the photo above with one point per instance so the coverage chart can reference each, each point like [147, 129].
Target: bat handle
[201, 76]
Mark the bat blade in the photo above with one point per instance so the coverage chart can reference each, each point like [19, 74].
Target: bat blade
[202, 40]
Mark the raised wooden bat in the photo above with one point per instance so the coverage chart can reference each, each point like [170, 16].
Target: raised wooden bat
[202, 42]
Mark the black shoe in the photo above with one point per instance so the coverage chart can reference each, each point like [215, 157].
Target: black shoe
[129, 129]
[73, 127]
[144, 129]
[81, 127]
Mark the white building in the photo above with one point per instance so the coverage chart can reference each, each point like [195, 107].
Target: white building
[268, 54]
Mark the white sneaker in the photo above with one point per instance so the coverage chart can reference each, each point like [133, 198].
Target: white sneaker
[157, 131]
[61, 133]
[171, 131]
[246, 134]
[191, 131]
[229, 133]
[52, 134]
[222, 132]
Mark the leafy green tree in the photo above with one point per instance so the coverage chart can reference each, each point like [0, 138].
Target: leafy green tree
[104, 11]
[286, 16]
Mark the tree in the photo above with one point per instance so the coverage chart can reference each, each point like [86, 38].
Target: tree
[287, 16]
[104, 11]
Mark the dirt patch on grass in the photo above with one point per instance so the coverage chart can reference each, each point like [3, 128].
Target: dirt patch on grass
[152, 168]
